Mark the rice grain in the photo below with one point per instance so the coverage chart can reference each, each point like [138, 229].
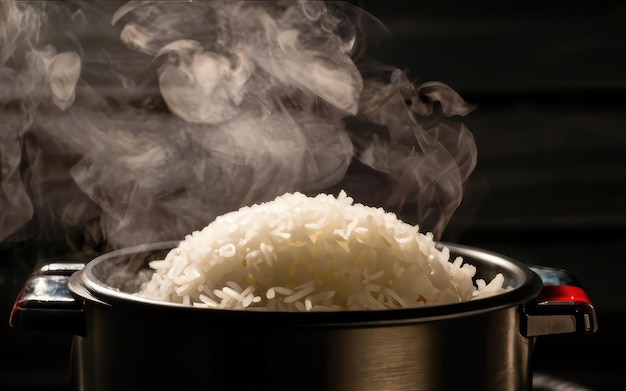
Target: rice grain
[301, 253]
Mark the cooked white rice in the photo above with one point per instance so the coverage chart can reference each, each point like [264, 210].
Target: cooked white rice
[299, 253]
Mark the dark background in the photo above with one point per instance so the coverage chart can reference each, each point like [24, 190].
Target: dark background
[549, 79]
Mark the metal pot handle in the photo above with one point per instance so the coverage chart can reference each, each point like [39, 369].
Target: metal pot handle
[562, 307]
[46, 304]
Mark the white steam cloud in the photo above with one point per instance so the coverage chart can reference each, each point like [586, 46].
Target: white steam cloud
[135, 122]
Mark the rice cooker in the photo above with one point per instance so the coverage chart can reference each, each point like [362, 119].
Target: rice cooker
[125, 342]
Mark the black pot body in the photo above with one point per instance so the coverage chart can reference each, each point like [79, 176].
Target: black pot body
[132, 344]
[151, 349]
[124, 342]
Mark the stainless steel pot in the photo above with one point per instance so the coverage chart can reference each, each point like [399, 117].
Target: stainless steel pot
[123, 342]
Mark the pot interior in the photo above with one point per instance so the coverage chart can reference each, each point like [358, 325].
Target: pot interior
[114, 277]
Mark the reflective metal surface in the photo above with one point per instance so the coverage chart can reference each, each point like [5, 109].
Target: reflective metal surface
[121, 340]
[415, 349]
[129, 350]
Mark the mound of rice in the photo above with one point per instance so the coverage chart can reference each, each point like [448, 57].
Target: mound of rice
[299, 253]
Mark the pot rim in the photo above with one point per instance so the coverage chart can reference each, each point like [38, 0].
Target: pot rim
[86, 286]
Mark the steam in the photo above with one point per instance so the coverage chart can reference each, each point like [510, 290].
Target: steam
[126, 123]
[62, 73]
